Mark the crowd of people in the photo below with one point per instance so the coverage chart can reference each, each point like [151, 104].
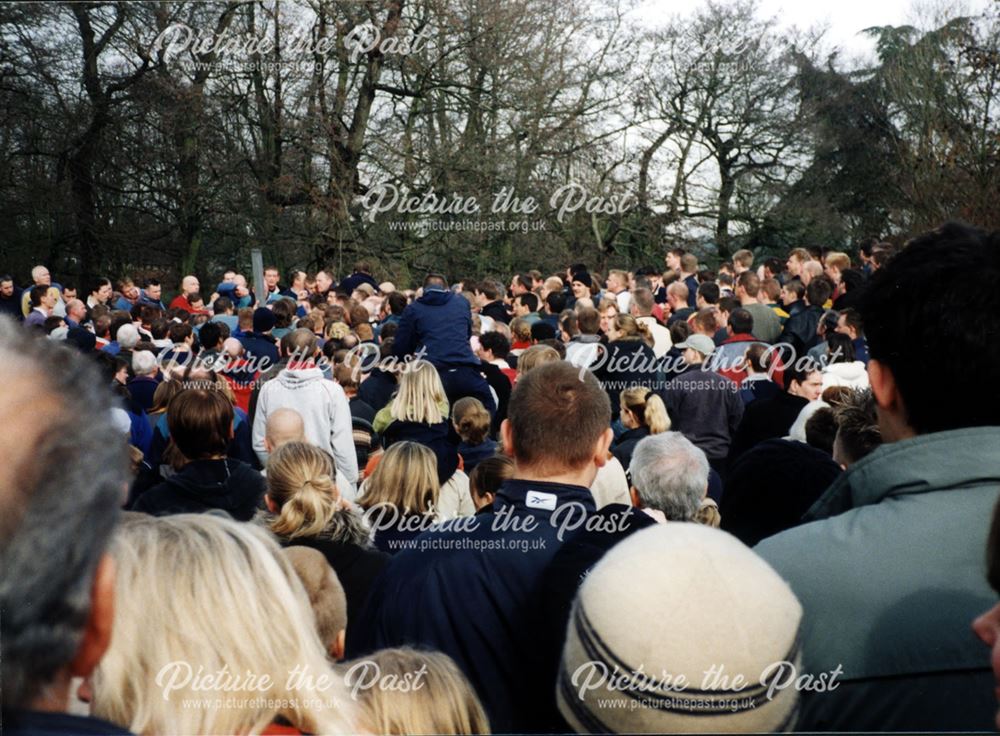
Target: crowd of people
[750, 498]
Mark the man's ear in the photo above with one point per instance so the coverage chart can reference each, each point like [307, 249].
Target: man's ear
[337, 647]
[883, 385]
[97, 629]
[271, 505]
[601, 450]
[634, 495]
[507, 437]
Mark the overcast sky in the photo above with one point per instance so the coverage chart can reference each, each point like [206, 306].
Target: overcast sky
[844, 18]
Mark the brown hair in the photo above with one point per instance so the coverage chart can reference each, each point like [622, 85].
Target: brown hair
[588, 320]
[472, 421]
[489, 475]
[326, 594]
[200, 422]
[549, 399]
[750, 283]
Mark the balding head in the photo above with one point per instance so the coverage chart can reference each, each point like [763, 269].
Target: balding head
[232, 347]
[41, 276]
[300, 344]
[283, 426]
[190, 285]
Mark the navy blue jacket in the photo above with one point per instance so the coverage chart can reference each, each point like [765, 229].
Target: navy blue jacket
[355, 280]
[478, 594]
[441, 322]
[260, 346]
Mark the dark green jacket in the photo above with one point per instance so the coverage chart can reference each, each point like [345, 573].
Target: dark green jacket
[890, 575]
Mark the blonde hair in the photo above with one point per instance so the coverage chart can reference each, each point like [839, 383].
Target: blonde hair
[204, 592]
[647, 407]
[405, 478]
[472, 421]
[838, 260]
[300, 481]
[444, 704]
[535, 356]
[630, 327]
[420, 395]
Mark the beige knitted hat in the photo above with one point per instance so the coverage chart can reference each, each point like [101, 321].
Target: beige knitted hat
[680, 600]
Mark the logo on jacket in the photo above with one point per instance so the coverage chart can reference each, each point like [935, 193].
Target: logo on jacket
[536, 500]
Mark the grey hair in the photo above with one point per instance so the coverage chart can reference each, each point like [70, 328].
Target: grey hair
[670, 474]
[128, 336]
[60, 508]
[143, 362]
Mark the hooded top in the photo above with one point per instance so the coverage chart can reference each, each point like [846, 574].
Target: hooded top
[891, 573]
[203, 485]
[441, 322]
[854, 375]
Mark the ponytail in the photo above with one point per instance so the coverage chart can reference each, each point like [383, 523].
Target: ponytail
[655, 414]
[300, 481]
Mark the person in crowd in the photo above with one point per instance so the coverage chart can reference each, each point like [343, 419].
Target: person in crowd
[402, 496]
[628, 359]
[728, 357]
[585, 348]
[346, 374]
[841, 368]
[189, 286]
[283, 426]
[493, 634]
[260, 344]
[908, 656]
[42, 302]
[677, 300]
[525, 306]
[361, 274]
[774, 417]
[770, 295]
[852, 283]
[494, 349]
[472, 423]
[40, 276]
[642, 414]
[580, 284]
[10, 298]
[612, 628]
[759, 382]
[326, 597]
[61, 497]
[440, 323]
[703, 405]
[76, 313]
[742, 262]
[151, 293]
[669, 480]
[100, 293]
[642, 304]
[201, 569]
[535, 356]
[617, 289]
[305, 508]
[489, 302]
[200, 421]
[419, 413]
[444, 703]
[555, 303]
[800, 329]
[322, 403]
[849, 323]
[688, 276]
[766, 322]
[486, 479]
[146, 378]
[858, 433]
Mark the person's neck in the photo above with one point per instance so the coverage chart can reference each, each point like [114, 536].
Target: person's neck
[745, 299]
[583, 477]
[54, 697]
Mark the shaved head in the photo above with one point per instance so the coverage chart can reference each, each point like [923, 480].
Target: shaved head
[283, 426]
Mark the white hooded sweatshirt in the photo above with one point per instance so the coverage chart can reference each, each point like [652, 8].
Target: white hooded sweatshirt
[325, 412]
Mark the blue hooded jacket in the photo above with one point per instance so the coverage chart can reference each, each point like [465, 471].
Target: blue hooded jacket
[441, 322]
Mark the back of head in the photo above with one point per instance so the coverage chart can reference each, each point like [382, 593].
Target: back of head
[300, 344]
[200, 422]
[444, 702]
[489, 475]
[858, 432]
[405, 479]
[670, 475]
[420, 394]
[642, 300]
[284, 425]
[647, 407]
[472, 421]
[326, 594]
[60, 493]
[300, 482]
[535, 356]
[925, 296]
[199, 569]
[819, 290]
[550, 397]
[745, 621]
[588, 321]
[689, 263]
